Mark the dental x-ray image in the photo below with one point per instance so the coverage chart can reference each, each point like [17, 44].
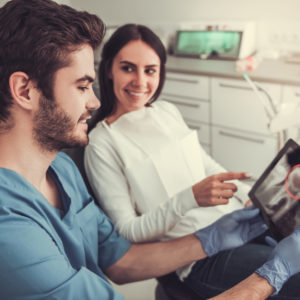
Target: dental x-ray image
[277, 191]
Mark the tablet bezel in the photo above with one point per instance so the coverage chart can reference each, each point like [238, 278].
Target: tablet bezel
[289, 145]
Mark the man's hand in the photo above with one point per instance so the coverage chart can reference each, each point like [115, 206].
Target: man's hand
[232, 230]
[214, 190]
[284, 261]
[252, 288]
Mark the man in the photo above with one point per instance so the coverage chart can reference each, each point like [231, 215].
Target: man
[54, 242]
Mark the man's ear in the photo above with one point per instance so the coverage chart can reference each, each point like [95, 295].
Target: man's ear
[22, 89]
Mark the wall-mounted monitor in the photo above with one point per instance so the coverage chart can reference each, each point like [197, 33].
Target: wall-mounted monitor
[208, 44]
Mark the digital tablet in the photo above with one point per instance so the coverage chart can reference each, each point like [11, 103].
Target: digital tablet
[277, 191]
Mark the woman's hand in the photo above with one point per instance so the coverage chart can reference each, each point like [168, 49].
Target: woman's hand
[214, 190]
[248, 203]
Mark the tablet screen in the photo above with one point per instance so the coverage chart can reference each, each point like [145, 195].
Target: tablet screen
[277, 192]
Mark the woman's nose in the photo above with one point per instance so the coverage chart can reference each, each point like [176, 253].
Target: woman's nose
[140, 79]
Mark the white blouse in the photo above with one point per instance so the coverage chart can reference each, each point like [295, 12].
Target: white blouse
[141, 169]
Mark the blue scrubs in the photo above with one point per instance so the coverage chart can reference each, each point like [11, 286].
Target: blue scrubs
[47, 253]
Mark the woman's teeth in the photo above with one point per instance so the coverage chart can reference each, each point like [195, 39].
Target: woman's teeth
[135, 93]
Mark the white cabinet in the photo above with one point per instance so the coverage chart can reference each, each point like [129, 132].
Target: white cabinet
[190, 94]
[235, 105]
[191, 109]
[241, 140]
[242, 151]
[291, 96]
[194, 86]
[230, 120]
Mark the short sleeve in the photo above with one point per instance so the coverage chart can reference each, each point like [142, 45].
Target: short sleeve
[112, 246]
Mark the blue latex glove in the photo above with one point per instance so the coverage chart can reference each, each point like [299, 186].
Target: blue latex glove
[270, 241]
[232, 230]
[283, 262]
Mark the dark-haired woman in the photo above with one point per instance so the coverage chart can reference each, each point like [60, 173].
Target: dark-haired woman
[148, 170]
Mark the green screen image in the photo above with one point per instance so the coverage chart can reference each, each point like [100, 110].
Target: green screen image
[222, 43]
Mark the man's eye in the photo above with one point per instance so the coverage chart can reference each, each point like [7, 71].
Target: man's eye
[83, 88]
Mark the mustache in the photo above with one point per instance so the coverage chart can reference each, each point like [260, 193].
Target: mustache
[86, 116]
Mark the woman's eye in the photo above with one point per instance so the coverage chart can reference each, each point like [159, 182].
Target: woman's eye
[127, 68]
[150, 71]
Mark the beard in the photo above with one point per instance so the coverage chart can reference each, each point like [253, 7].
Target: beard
[53, 128]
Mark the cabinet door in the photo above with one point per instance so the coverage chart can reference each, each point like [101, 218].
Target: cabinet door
[240, 151]
[291, 94]
[187, 85]
[190, 108]
[291, 97]
[235, 105]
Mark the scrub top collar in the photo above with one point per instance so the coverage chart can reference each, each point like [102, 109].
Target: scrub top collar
[20, 183]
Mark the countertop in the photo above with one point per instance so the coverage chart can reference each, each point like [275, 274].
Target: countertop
[274, 71]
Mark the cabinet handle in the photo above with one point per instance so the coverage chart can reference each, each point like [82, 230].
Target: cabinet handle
[183, 80]
[225, 85]
[241, 137]
[185, 97]
[194, 127]
[181, 103]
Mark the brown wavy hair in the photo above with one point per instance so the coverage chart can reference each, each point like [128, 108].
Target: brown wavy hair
[36, 37]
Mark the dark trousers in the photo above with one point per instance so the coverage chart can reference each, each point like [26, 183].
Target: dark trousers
[211, 276]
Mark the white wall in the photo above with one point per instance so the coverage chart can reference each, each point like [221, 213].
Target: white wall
[68, 2]
[174, 10]
[278, 23]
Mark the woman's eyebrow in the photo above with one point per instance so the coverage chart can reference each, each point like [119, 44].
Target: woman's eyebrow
[127, 62]
[133, 65]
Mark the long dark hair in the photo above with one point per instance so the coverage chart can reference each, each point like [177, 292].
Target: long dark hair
[122, 36]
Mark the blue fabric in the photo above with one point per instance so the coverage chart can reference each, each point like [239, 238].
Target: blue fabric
[213, 275]
[46, 253]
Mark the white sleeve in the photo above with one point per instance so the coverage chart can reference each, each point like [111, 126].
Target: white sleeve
[105, 173]
[212, 167]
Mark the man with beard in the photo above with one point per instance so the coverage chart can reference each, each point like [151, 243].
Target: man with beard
[55, 243]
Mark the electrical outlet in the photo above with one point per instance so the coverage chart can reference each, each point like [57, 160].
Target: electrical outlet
[292, 38]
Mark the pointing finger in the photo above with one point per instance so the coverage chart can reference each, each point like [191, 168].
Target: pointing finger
[232, 176]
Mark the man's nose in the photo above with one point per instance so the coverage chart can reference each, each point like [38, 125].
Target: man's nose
[93, 103]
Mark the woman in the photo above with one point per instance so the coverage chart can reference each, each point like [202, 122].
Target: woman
[147, 168]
